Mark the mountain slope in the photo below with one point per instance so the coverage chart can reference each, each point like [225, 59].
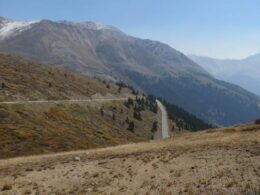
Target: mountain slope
[27, 129]
[112, 115]
[244, 72]
[22, 79]
[156, 68]
[46, 127]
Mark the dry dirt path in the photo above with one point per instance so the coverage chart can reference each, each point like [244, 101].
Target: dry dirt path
[64, 101]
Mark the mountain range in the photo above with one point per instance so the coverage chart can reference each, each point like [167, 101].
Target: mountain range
[244, 72]
[151, 66]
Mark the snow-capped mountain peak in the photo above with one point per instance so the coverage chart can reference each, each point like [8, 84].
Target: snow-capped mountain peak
[10, 27]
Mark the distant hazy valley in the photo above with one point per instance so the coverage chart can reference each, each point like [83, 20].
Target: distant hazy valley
[244, 72]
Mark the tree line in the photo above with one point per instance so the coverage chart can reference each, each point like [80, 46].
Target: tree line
[182, 118]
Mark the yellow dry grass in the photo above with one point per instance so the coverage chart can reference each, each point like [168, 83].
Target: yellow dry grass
[27, 129]
[221, 161]
[22, 79]
[49, 127]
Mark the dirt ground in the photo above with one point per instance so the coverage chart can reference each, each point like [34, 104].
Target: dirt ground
[222, 161]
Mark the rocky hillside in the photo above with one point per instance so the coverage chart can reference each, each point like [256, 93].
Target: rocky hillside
[154, 67]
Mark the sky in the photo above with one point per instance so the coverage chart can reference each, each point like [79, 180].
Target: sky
[214, 28]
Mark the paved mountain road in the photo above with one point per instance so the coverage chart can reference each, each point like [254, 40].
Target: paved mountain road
[63, 101]
[165, 126]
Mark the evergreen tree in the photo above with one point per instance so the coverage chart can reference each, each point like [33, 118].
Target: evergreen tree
[102, 111]
[114, 116]
[173, 128]
[155, 108]
[137, 115]
[119, 89]
[129, 102]
[154, 126]
[3, 85]
[131, 126]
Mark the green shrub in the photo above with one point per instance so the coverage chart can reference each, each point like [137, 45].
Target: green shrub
[154, 127]
[131, 126]
[102, 111]
[114, 117]
[3, 85]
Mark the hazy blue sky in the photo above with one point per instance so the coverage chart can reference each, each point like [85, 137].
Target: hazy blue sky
[216, 28]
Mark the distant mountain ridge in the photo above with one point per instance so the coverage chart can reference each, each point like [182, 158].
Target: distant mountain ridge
[244, 72]
[151, 66]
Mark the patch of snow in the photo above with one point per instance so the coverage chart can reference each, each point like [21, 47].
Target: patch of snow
[97, 26]
[102, 26]
[90, 25]
[9, 28]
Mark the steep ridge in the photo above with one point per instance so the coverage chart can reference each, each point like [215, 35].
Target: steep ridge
[156, 68]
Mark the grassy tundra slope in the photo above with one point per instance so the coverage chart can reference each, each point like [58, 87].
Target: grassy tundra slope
[37, 128]
[22, 79]
[44, 128]
[221, 161]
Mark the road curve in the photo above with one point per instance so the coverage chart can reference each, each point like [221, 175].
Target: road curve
[63, 101]
[165, 127]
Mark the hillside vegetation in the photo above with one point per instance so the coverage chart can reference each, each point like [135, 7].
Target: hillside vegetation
[218, 161]
[37, 128]
[184, 120]
[44, 128]
[22, 79]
